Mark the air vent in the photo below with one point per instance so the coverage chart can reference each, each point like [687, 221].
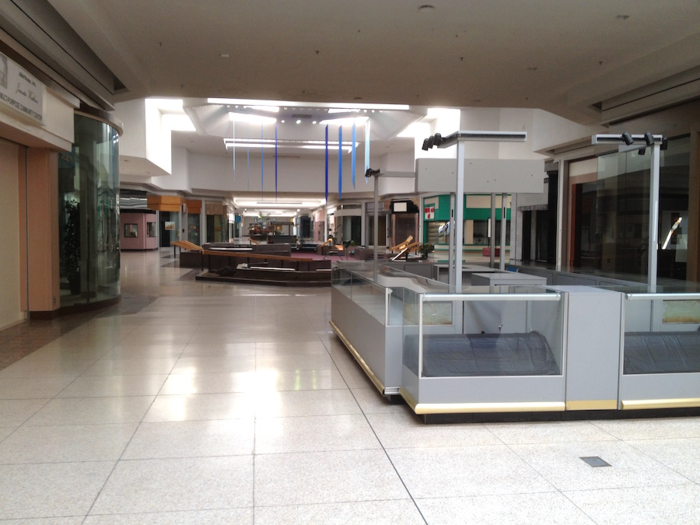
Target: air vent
[296, 115]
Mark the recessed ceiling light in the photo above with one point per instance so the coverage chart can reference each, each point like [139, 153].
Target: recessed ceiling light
[298, 121]
[225, 55]
[314, 122]
[426, 8]
[282, 121]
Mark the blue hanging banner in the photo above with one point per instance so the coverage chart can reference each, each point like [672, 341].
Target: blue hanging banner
[262, 162]
[354, 159]
[248, 156]
[340, 162]
[275, 161]
[367, 130]
[326, 163]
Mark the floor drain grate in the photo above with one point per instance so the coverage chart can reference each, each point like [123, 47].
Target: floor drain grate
[595, 461]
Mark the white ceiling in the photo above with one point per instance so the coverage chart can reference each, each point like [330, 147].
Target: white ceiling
[562, 56]
[566, 57]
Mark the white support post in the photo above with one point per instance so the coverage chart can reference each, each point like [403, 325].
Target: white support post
[459, 218]
[492, 233]
[502, 258]
[653, 216]
[563, 165]
[375, 228]
[451, 251]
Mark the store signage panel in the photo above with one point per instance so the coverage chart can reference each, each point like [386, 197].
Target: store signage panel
[481, 176]
[21, 91]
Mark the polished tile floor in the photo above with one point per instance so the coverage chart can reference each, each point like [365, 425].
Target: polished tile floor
[235, 404]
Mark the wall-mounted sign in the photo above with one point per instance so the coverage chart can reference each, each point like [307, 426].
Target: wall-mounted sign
[169, 225]
[430, 212]
[21, 91]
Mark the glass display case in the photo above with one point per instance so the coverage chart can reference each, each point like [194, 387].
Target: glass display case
[367, 316]
[660, 365]
[488, 349]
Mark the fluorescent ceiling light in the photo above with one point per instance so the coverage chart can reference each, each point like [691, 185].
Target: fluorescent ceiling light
[269, 109]
[336, 110]
[334, 105]
[252, 119]
[249, 145]
[177, 122]
[346, 121]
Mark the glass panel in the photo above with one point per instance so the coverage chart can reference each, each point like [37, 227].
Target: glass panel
[410, 331]
[89, 214]
[151, 229]
[193, 228]
[341, 279]
[661, 336]
[611, 214]
[516, 336]
[131, 230]
[437, 232]
[370, 297]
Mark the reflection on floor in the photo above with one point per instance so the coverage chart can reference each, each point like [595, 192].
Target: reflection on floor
[228, 404]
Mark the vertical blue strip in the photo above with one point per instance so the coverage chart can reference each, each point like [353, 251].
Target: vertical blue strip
[367, 130]
[249, 157]
[262, 162]
[340, 162]
[275, 161]
[326, 163]
[354, 156]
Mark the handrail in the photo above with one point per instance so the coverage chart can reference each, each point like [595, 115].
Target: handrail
[663, 296]
[443, 298]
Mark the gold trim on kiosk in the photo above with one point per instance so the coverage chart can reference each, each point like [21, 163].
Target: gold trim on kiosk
[641, 404]
[592, 404]
[473, 408]
[358, 358]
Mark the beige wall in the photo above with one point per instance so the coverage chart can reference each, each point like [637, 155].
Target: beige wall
[44, 278]
[10, 308]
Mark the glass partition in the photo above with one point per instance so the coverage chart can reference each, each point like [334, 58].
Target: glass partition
[501, 331]
[662, 333]
[89, 237]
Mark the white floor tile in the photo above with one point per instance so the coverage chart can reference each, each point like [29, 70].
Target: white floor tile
[201, 407]
[305, 403]
[504, 509]
[397, 512]
[180, 384]
[181, 439]
[64, 444]
[561, 465]
[549, 432]
[177, 485]
[313, 434]
[403, 429]
[469, 471]
[114, 386]
[325, 477]
[92, 411]
[241, 516]
[55, 490]
[673, 505]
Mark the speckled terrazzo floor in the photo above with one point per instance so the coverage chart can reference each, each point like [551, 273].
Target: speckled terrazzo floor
[210, 403]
